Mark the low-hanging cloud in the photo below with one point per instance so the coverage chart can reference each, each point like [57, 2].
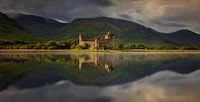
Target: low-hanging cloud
[163, 86]
[162, 15]
[169, 13]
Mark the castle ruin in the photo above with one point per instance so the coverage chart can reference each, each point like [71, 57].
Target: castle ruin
[106, 41]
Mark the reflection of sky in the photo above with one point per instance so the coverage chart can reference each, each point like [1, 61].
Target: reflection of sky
[31, 70]
[165, 86]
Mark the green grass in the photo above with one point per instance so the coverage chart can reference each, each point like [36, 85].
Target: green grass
[75, 50]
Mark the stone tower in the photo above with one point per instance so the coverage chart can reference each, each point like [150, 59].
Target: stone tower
[80, 39]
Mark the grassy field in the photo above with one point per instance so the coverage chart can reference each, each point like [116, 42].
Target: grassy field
[62, 50]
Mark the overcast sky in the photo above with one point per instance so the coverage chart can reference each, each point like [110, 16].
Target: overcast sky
[162, 15]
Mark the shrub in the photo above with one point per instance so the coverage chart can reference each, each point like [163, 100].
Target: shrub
[121, 46]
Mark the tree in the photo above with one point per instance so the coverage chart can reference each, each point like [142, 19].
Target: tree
[121, 46]
[131, 46]
[141, 46]
[105, 47]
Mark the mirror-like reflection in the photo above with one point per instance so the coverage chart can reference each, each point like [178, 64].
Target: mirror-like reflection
[163, 86]
[100, 61]
[31, 70]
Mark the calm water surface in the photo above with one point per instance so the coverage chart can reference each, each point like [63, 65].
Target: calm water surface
[99, 77]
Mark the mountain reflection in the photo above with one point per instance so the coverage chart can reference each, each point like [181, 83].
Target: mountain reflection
[29, 70]
[164, 86]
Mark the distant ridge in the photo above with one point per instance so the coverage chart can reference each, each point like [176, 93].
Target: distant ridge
[10, 30]
[185, 37]
[39, 25]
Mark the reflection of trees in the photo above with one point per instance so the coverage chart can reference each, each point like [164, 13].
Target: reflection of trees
[101, 61]
[36, 58]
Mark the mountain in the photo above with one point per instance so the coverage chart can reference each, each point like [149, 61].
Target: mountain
[10, 30]
[185, 37]
[126, 32]
[39, 25]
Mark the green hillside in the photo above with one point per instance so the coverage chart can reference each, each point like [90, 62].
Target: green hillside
[125, 31]
[40, 26]
[10, 30]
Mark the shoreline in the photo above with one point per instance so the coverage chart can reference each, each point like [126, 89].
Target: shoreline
[63, 50]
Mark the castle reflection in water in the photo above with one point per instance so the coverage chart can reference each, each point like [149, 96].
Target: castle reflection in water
[101, 61]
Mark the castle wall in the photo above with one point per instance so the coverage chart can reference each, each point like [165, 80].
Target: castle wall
[99, 43]
[87, 42]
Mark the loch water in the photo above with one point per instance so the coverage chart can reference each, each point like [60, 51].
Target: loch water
[99, 77]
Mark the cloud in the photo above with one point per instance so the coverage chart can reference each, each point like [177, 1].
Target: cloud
[60, 9]
[125, 16]
[172, 15]
[165, 86]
